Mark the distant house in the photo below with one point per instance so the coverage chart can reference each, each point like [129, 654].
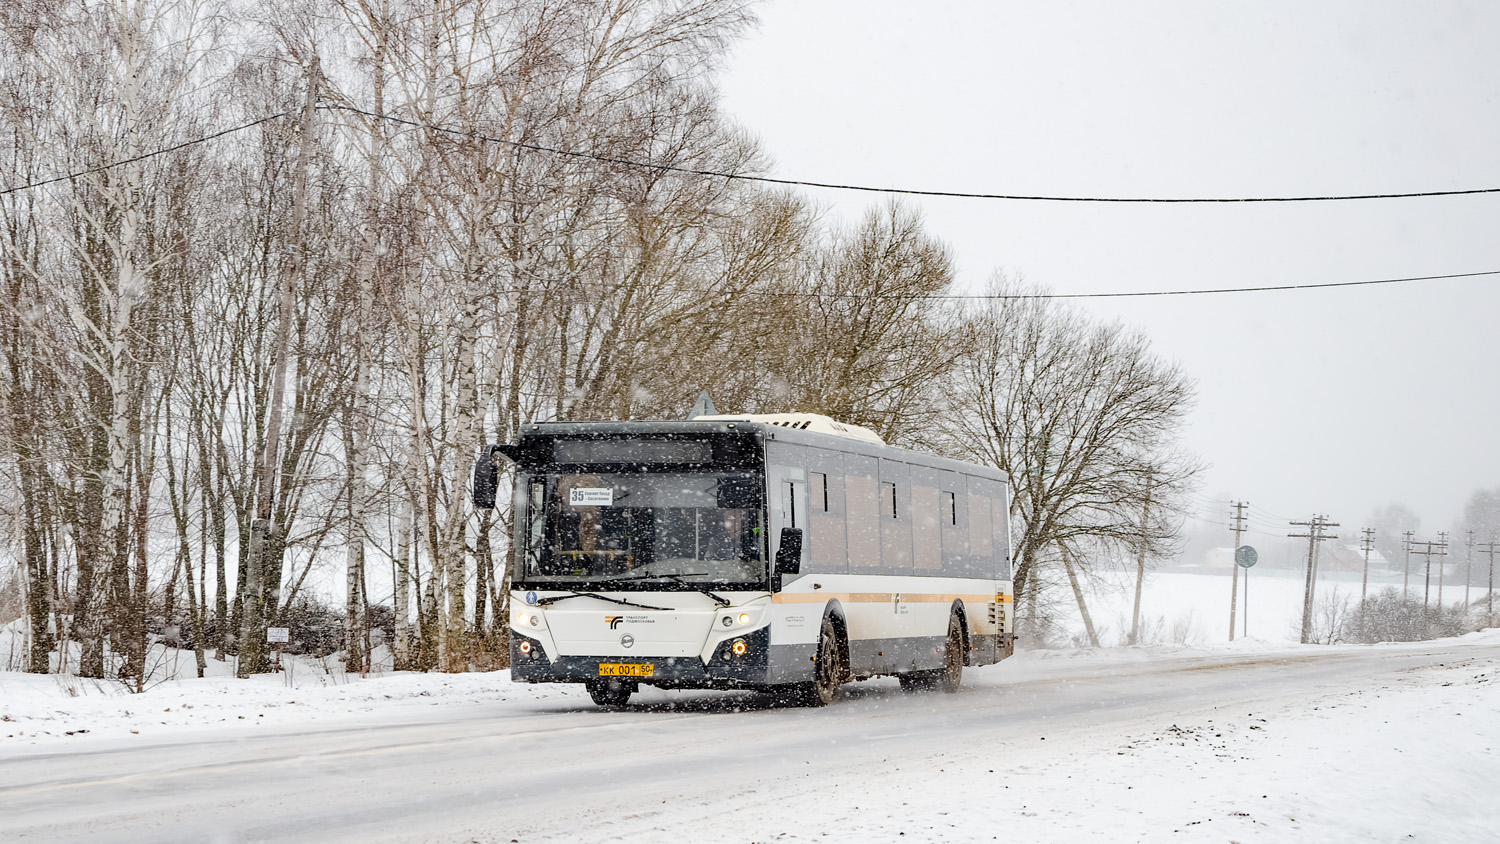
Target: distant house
[1339, 557]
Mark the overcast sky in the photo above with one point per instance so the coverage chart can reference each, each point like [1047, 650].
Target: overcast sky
[1330, 401]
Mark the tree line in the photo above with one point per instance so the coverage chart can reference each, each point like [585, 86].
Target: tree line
[230, 367]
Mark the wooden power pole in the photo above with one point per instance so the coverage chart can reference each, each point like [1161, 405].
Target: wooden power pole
[1315, 535]
[1429, 548]
[1367, 544]
[1442, 562]
[1489, 547]
[1406, 536]
[1469, 569]
[1238, 526]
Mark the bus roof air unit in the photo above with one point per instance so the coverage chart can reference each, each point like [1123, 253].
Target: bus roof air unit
[815, 422]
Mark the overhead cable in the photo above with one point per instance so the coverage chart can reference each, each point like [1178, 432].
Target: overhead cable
[163, 151]
[748, 177]
[1131, 294]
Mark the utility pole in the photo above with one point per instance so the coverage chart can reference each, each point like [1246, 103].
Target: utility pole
[1406, 576]
[262, 544]
[1140, 559]
[1368, 544]
[1426, 553]
[1314, 535]
[1469, 570]
[1442, 562]
[1489, 547]
[1234, 575]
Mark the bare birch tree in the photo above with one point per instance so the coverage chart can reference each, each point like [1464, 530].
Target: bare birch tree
[1083, 417]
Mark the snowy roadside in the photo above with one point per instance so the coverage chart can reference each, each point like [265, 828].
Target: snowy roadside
[43, 712]
[46, 711]
[39, 710]
[1410, 759]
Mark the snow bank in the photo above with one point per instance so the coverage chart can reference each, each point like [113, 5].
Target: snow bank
[43, 709]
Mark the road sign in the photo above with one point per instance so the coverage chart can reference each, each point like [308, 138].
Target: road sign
[278, 635]
[1245, 556]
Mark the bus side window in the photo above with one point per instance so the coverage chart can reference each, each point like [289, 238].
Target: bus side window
[955, 532]
[817, 491]
[980, 544]
[862, 506]
[1000, 525]
[949, 509]
[926, 524]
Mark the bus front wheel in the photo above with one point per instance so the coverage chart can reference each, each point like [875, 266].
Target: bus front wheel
[828, 674]
[610, 692]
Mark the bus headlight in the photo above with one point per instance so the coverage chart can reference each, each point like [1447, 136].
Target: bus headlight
[744, 618]
[739, 647]
[524, 647]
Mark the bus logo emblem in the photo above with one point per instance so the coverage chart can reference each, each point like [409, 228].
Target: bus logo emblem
[627, 640]
[614, 621]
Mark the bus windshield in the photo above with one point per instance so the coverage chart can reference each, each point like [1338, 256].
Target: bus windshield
[647, 528]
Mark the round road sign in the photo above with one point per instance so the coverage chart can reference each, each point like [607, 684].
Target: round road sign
[1245, 556]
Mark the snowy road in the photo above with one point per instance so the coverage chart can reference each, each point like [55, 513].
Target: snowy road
[1036, 743]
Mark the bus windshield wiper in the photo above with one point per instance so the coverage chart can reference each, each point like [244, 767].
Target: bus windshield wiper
[555, 598]
[681, 578]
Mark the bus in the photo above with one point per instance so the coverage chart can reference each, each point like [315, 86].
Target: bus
[777, 552]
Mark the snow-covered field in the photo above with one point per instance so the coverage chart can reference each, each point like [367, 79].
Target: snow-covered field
[1193, 608]
[1411, 759]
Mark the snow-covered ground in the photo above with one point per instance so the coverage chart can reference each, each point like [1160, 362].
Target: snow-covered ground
[1193, 739]
[1254, 741]
[1413, 758]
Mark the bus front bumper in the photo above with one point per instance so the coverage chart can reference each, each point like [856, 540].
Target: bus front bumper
[726, 669]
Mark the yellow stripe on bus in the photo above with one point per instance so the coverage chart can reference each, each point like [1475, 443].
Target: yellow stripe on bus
[881, 598]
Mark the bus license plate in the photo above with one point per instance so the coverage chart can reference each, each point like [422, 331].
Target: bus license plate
[625, 669]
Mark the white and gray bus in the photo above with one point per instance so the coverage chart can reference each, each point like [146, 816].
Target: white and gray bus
[782, 552]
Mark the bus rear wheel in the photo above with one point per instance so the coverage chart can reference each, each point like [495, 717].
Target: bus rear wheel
[610, 692]
[952, 673]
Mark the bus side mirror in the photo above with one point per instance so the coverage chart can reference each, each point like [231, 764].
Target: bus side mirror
[486, 479]
[487, 474]
[789, 554]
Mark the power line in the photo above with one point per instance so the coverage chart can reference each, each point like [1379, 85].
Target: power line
[1133, 294]
[747, 177]
[163, 151]
[801, 293]
[813, 294]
